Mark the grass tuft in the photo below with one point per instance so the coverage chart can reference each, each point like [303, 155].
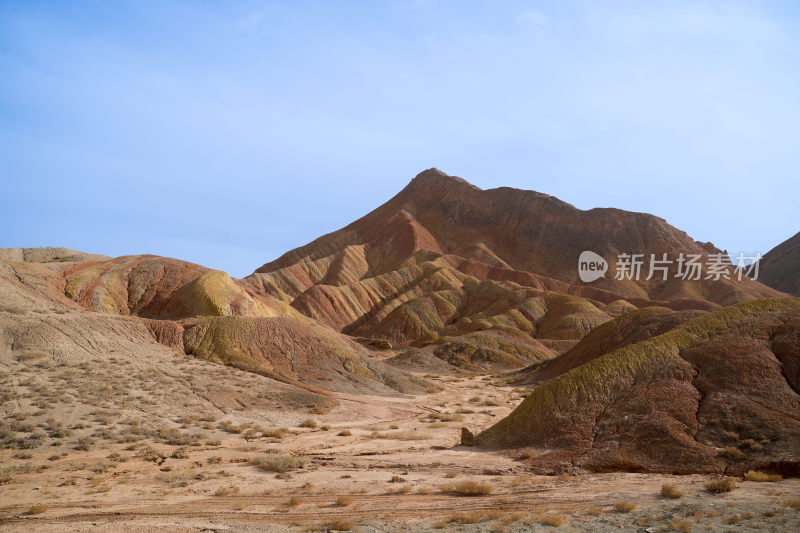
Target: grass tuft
[344, 500]
[468, 488]
[721, 485]
[755, 475]
[624, 507]
[671, 491]
[279, 462]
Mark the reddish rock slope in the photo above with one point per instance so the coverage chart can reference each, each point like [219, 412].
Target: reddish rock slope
[716, 394]
[780, 267]
[444, 259]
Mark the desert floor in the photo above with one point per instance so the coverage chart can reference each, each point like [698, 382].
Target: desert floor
[368, 464]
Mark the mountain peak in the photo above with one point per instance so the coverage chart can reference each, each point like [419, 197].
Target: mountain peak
[434, 179]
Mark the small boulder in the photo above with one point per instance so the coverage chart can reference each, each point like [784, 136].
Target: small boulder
[467, 438]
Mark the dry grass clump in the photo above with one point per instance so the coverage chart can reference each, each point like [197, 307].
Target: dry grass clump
[400, 435]
[180, 453]
[37, 509]
[684, 526]
[344, 500]
[554, 520]
[755, 475]
[310, 423]
[468, 488]
[671, 491]
[345, 433]
[733, 454]
[624, 507]
[274, 433]
[227, 491]
[510, 518]
[180, 478]
[731, 520]
[721, 485]
[294, 501]
[148, 453]
[446, 417]
[792, 502]
[752, 444]
[472, 517]
[84, 444]
[7, 475]
[338, 524]
[279, 462]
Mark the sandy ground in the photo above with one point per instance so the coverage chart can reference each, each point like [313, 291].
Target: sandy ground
[370, 464]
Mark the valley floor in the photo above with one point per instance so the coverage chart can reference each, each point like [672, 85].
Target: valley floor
[368, 464]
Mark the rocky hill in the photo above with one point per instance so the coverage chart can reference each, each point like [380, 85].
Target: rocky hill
[718, 393]
[445, 262]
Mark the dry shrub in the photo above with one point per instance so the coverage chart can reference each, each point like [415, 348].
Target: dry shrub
[84, 443]
[345, 433]
[401, 435]
[554, 520]
[755, 475]
[671, 491]
[310, 423]
[510, 518]
[733, 454]
[446, 417]
[721, 485]
[344, 500]
[180, 453]
[752, 444]
[181, 478]
[279, 462]
[684, 526]
[472, 517]
[227, 491]
[275, 433]
[338, 524]
[469, 488]
[733, 519]
[148, 453]
[792, 502]
[624, 507]
[37, 509]
[294, 501]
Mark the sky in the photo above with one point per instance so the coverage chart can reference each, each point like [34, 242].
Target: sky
[227, 133]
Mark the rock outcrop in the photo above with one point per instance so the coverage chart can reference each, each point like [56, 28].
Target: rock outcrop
[780, 267]
[718, 393]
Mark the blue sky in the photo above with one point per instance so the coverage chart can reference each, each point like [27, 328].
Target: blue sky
[226, 133]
